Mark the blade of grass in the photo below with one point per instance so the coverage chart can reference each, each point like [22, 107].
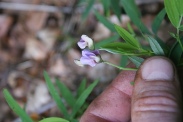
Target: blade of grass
[105, 22]
[130, 29]
[15, 107]
[158, 20]
[88, 9]
[81, 88]
[106, 6]
[116, 8]
[66, 93]
[132, 10]
[82, 98]
[55, 95]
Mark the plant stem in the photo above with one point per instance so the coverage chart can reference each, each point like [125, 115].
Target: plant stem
[177, 35]
[121, 68]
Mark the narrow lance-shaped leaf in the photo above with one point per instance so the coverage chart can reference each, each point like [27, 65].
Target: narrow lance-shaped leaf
[158, 20]
[116, 8]
[155, 46]
[15, 107]
[81, 88]
[106, 41]
[80, 101]
[54, 119]
[105, 22]
[123, 49]
[55, 95]
[130, 29]
[132, 10]
[127, 36]
[118, 47]
[88, 9]
[172, 12]
[136, 60]
[106, 6]
[66, 93]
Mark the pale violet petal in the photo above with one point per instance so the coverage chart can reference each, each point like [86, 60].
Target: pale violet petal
[88, 61]
[88, 40]
[87, 53]
[82, 45]
[96, 52]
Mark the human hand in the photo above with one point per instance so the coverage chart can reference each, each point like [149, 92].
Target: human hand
[155, 97]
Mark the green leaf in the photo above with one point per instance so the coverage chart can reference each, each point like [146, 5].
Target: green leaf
[136, 60]
[116, 8]
[161, 43]
[172, 12]
[81, 100]
[123, 61]
[132, 10]
[123, 49]
[130, 29]
[127, 36]
[158, 20]
[179, 6]
[155, 46]
[54, 119]
[106, 6]
[105, 22]
[176, 52]
[15, 107]
[105, 41]
[88, 9]
[66, 93]
[55, 95]
[181, 28]
[81, 88]
[118, 47]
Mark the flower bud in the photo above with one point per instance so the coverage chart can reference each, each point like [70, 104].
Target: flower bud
[85, 41]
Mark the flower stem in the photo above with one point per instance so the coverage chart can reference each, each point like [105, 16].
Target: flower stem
[121, 68]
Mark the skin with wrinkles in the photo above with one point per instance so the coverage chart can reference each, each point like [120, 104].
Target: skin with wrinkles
[157, 100]
[149, 100]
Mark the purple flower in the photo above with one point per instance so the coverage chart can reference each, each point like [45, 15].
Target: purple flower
[85, 41]
[89, 58]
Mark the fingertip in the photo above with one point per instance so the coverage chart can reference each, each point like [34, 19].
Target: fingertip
[156, 68]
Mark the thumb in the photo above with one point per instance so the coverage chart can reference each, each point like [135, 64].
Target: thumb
[156, 96]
